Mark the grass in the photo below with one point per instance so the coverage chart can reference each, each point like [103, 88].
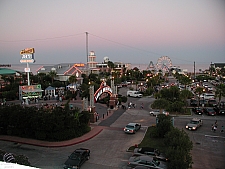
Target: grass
[151, 142]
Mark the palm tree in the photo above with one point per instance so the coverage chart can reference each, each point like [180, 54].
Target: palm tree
[184, 95]
[199, 91]
[52, 74]
[184, 80]
[220, 91]
[40, 77]
[72, 79]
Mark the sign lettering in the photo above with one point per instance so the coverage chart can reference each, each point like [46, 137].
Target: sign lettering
[27, 51]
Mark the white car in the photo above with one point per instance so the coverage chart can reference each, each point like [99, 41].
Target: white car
[132, 128]
[157, 112]
[194, 124]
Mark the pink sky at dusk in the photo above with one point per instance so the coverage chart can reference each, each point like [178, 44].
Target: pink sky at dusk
[129, 31]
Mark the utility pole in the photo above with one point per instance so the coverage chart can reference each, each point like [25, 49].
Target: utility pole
[194, 70]
[87, 45]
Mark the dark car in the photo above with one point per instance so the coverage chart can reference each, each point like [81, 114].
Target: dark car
[193, 102]
[77, 158]
[212, 102]
[146, 151]
[202, 102]
[220, 110]
[209, 111]
[197, 110]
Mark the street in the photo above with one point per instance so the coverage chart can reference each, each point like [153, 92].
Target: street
[108, 149]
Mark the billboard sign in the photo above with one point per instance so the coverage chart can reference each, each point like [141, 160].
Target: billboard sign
[27, 55]
[27, 69]
[32, 91]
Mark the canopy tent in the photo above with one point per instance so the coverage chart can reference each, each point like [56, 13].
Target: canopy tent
[73, 86]
[50, 91]
[5, 71]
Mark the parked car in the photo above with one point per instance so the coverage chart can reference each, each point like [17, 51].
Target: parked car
[141, 167]
[220, 110]
[209, 111]
[198, 110]
[207, 96]
[161, 158]
[145, 161]
[193, 102]
[212, 102]
[157, 112]
[77, 158]
[146, 151]
[202, 103]
[194, 124]
[132, 128]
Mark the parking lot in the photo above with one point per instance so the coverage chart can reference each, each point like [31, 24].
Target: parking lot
[208, 146]
[108, 149]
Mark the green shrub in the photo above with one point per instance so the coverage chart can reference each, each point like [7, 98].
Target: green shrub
[40, 135]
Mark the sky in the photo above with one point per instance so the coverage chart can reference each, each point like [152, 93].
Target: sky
[129, 31]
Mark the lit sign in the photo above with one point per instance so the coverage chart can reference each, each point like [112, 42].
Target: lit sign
[79, 64]
[103, 90]
[27, 55]
[27, 51]
[31, 87]
[26, 69]
[27, 61]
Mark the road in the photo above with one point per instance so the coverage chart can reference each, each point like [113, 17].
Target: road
[108, 149]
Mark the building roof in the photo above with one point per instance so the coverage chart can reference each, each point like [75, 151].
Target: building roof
[6, 71]
[50, 88]
[220, 65]
[61, 69]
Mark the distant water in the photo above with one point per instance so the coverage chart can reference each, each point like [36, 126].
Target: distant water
[186, 67]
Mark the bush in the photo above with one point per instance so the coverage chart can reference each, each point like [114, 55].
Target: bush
[40, 135]
[154, 132]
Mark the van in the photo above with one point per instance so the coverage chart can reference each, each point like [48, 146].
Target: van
[131, 93]
[207, 96]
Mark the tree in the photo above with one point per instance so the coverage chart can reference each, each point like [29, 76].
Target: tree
[178, 149]
[184, 80]
[220, 91]
[72, 79]
[170, 94]
[40, 77]
[53, 75]
[164, 125]
[160, 104]
[111, 65]
[199, 91]
[184, 95]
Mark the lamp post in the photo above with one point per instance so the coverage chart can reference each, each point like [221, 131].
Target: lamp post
[203, 98]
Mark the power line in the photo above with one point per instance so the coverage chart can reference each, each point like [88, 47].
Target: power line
[126, 45]
[146, 51]
[41, 39]
[68, 36]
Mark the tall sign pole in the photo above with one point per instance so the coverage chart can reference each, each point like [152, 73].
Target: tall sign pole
[27, 56]
[28, 74]
[87, 47]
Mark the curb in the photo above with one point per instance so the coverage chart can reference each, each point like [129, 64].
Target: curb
[41, 143]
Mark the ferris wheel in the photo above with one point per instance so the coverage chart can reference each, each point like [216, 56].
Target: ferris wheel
[164, 63]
